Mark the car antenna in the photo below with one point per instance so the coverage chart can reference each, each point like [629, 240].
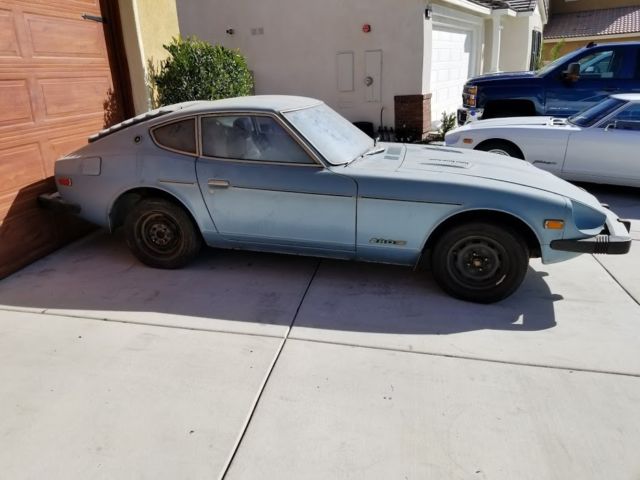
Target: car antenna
[591, 44]
[375, 140]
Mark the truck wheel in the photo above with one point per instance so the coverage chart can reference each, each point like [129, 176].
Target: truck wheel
[501, 147]
[480, 262]
[161, 234]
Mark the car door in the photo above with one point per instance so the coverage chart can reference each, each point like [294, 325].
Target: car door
[608, 151]
[264, 186]
[603, 71]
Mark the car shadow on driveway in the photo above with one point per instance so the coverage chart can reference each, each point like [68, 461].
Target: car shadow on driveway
[624, 201]
[396, 300]
[98, 278]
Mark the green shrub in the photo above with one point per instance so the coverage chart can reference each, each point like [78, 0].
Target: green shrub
[197, 70]
[447, 122]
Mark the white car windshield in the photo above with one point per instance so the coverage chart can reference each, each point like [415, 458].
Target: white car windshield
[594, 114]
[337, 140]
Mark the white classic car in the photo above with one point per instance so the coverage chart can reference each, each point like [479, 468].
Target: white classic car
[599, 145]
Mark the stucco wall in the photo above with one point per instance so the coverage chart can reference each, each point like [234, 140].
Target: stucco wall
[146, 25]
[515, 45]
[515, 51]
[293, 48]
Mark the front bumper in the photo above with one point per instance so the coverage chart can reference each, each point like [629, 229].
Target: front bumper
[468, 114]
[613, 240]
[53, 201]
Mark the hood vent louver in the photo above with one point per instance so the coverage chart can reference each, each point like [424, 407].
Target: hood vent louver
[438, 162]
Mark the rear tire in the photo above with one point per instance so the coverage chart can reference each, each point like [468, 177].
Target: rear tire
[161, 234]
[501, 147]
[480, 262]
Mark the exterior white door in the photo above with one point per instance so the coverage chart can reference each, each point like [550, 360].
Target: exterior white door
[451, 66]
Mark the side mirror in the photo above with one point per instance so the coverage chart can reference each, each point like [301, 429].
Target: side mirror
[611, 126]
[572, 73]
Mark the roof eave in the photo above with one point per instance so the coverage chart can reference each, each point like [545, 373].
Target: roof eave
[468, 5]
[584, 38]
[506, 12]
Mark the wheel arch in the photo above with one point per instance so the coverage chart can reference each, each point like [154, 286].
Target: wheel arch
[127, 199]
[493, 216]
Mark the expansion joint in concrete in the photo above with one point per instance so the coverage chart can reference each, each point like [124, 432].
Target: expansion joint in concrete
[270, 370]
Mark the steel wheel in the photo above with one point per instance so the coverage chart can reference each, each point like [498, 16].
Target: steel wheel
[480, 262]
[161, 234]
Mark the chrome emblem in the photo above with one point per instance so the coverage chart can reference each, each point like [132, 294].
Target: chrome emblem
[387, 241]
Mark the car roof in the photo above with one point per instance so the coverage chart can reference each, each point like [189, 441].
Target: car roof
[259, 103]
[627, 97]
[610, 44]
[267, 103]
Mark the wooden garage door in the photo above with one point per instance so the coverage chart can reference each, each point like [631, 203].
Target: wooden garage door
[56, 88]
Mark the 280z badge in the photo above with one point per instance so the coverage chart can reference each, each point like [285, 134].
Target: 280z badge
[387, 241]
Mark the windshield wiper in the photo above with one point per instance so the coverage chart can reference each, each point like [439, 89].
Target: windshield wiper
[374, 151]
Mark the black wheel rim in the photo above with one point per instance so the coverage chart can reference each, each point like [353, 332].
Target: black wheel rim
[477, 262]
[159, 233]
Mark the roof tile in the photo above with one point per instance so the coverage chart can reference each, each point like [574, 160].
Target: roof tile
[594, 23]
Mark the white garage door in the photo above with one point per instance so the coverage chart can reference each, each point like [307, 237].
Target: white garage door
[450, 68]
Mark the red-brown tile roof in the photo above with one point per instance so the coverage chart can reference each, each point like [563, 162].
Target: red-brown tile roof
[594, 23]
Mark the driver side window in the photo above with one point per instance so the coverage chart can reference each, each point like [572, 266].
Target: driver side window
[602, 64]
[249, 137]
[628, 119]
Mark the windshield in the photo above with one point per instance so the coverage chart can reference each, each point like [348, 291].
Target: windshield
[547, 68]
[594, 114]
[337, 140]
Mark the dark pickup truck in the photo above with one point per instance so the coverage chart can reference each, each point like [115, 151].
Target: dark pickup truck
[564, 87]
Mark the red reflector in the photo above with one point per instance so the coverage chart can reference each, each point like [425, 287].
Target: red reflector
[65, 181]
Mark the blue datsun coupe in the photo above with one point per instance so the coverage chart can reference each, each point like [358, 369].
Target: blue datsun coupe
[289, 174]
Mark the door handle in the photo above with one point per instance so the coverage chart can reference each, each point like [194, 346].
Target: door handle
[216, 183]
[610, 89]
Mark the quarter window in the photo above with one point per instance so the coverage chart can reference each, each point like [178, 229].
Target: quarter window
[255, 138]
[180, 136]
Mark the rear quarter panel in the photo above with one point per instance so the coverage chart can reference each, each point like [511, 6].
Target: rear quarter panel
[127, 165]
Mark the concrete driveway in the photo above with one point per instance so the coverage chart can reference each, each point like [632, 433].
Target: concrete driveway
[248, 366]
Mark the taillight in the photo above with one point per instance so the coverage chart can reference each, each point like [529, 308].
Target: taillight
[65, 181]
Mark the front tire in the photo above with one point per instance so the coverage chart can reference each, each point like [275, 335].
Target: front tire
[480, 262]
[501, 147]
[161, 234]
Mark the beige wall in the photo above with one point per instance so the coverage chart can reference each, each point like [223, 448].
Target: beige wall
[515, 51]
[146, 25]
[562, 6]
[296, 53]
[574, 45]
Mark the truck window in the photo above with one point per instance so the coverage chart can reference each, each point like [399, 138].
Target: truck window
[601, 64]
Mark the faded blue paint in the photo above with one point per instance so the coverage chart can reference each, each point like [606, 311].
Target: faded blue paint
[382, 207]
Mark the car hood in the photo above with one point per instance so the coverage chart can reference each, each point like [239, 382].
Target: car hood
[512, 122]
[490, 77]
[472, 163]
